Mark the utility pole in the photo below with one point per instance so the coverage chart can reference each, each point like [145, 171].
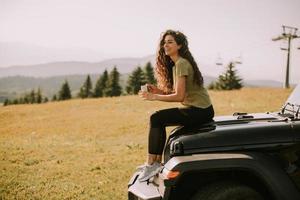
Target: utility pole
[288, 33]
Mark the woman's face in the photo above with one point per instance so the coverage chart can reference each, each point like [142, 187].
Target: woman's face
[170, 46]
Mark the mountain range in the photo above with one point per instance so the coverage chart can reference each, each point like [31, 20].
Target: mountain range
[124, 65]
[17, 79]
[30, 60]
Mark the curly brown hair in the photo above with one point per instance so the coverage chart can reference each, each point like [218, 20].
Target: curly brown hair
[164, 63]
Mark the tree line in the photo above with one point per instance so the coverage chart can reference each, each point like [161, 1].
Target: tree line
[107, 85]
[28, 98]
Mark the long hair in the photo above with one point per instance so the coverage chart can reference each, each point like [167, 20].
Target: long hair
[164, 63]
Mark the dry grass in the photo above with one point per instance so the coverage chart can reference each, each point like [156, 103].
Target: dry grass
[88, 149]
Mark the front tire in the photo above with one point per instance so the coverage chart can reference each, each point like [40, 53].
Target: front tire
[227, 191]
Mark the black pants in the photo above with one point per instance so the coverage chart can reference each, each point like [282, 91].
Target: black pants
[188, 116]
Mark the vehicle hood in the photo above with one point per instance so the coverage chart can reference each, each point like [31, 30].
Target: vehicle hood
[229, 133]
[242, 131]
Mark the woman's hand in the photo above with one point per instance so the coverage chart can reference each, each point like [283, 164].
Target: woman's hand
[147, 96]
[177, 96]
[153, 89]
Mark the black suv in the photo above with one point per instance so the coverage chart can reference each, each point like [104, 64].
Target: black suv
[239, 157]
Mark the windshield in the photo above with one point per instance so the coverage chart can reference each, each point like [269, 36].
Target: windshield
[294, 98]
[292, 105]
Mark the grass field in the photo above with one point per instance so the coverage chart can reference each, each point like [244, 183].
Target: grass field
[88, 149]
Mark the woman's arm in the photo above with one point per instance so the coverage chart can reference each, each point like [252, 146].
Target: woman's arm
[153, 89]
[177, 96]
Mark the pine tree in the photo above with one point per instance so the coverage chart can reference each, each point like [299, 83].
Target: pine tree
[86, 89]
[113, 87]
[54, 98]
[39, 97]
[26, 98]
[32, 97]
[101, 84]
[227, 81]
[136, 79]
[21, 100]
[149, 74]
[81, 93]
[45, 100]
[15, 101]
[65, 92]
[6, 102]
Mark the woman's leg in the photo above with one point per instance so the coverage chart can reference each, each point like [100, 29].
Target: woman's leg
[153, 158]
[157, 138]
[173, 116]
[157, 133]
[158, 158]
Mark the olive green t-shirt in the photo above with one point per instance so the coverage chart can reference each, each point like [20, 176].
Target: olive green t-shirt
[195, 95]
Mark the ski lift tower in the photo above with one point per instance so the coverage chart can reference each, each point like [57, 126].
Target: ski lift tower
[288, 34]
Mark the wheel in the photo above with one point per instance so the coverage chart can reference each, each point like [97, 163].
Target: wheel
[227, 191]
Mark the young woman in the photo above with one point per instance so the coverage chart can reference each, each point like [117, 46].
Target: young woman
[179, 80]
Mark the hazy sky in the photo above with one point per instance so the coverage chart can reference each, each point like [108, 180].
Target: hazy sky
[131, 28]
